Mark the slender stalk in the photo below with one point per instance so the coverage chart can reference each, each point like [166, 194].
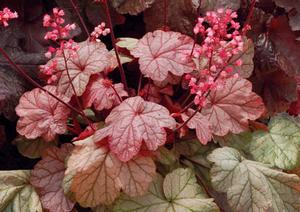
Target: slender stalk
[113, 87]
[80, 18]
[73, 88]
[35, 83]
[113, 39]
[249, 16]
[165, 14]
[140, 84]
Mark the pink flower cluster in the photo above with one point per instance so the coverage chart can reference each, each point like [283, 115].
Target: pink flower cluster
[5, 15]
[98, 31]
[59, 32]
[221, 41]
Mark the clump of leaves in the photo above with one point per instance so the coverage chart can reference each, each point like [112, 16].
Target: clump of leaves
[163, 122]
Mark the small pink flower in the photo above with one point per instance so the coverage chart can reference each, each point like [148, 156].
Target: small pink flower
[5, 15]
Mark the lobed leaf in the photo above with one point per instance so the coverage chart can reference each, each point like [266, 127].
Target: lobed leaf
[32, 148]
[98, 176]
[103, 94]
[135, 121]
[201, 124]
[162, 52]
[253, 186]
[91, 58]
[231, 106]
[280, 146]
[179, 191]
[41, 115]
[16, 194]
[47, 176]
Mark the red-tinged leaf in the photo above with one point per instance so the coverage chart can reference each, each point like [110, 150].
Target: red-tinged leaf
[133, 122]
[201, 124]
[136, 175]
[41, 115]
[47, 176]
[99, 175]
[92, 58]
[102, 94]
[95, 178]
[286, 45]
[162, 52]
[231, 106]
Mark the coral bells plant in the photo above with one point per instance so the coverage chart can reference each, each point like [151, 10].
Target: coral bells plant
[182, 118]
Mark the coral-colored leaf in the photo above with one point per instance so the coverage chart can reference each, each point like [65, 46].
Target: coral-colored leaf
[41, 115]
[201, 124]
[99, 175]
[92, 58]
[231, 106]
[162, 52]
[47, 176]
[102, 94]
[134, 121]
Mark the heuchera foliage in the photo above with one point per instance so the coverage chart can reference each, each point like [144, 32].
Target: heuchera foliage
[185, 117]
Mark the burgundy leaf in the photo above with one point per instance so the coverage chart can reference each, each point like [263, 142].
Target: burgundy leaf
[286, 45]
[132, 7]
[162, 52]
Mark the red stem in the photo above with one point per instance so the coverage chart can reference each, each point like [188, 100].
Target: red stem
[80, 18]
[73, 88]
[113, 39]
[35, 83]
[140, 84]
[165, 15]
[250, 14]
[113, 87]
